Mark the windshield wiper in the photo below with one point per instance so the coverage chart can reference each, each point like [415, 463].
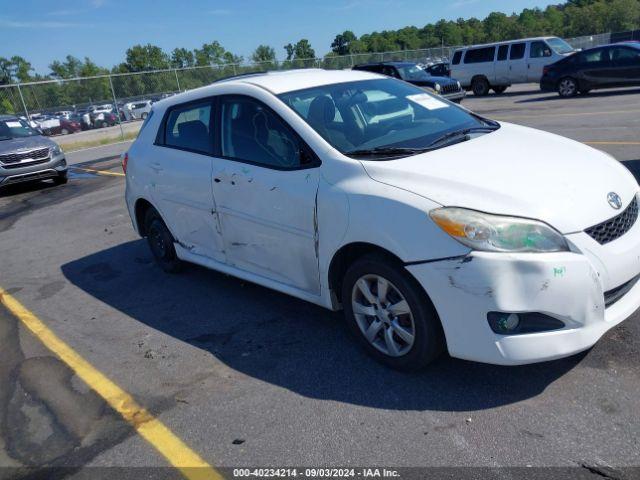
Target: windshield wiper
[385, 151]
[461, 135]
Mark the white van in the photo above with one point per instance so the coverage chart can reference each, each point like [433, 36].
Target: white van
[498, 65]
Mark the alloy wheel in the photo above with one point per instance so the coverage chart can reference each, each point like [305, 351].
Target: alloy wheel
[383, 315]
[567, 87]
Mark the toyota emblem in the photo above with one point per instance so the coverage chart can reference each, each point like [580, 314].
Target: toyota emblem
[614, 200]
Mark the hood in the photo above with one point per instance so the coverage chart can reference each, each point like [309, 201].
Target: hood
[26, 143]
[516, 171]
[431, 81]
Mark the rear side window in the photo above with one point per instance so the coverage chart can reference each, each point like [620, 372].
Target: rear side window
[539, 50]
[456, 58]
[594, 56]
[517, 51]
[187, 128]
[625, 55]
[480, 55]
[503, 50]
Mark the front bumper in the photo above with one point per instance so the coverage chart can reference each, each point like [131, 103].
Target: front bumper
[52, 168]
[566, 286]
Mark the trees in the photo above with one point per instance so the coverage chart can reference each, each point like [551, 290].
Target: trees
[182, 58]
[569, 19]
[263, 54]
[145, 57]
[301, 50]
[342, 43]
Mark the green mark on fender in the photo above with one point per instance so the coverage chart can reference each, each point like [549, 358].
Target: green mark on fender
[559, 271]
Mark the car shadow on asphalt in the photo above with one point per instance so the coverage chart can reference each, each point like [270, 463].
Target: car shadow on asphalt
[288, 342]
[550, 96]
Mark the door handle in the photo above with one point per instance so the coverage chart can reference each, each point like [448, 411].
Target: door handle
[156, 167]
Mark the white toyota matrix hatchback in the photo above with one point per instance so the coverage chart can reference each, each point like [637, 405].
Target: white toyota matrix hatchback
[431, 226]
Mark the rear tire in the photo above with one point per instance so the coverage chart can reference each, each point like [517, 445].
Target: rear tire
[161, 242]
[480, 86]
[403, 328]
[499, 90]
[567, 87]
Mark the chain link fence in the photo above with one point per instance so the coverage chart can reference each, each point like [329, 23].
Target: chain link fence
[52, 96]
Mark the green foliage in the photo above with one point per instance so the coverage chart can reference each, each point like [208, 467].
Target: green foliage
[182, 58]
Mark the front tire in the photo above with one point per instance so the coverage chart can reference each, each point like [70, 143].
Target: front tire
[161, 243]
[480, 86]
[390, 314]
[567, 87]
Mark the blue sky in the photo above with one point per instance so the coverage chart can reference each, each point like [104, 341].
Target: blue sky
[43, 31]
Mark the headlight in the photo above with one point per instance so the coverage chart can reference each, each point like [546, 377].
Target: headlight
[438, 87]
[497, 233]
[57, 150]
[459, 85]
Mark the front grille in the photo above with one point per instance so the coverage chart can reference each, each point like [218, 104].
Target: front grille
[37, 155]
[25, 164]
[614, 228]
[452, 88]
[612, 296]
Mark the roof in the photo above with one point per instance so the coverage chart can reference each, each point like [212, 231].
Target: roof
[8, 117]
[503, 42]
[277, 82]
[291, 80]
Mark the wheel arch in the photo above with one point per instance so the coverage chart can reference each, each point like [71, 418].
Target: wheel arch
[344, 257]
[141, 208]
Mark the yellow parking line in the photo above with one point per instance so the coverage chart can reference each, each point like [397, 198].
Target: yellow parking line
[99, 172]
[190, 464]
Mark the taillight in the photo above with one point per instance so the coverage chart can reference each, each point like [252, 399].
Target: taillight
[125, 160]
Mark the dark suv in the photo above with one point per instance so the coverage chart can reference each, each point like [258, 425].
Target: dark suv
[616, 65]
[26, 155]
[412, 73]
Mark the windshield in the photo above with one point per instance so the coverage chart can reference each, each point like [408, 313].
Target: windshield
[381, 113]
[412, 73]
[560, 46]
[15, 128]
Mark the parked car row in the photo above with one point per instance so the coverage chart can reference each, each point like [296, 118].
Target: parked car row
[64, 122]
[550, 61]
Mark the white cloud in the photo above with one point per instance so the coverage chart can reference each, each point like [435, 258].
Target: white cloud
[37, 24]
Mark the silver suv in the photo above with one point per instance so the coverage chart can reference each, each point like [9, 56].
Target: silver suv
[26, 155]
